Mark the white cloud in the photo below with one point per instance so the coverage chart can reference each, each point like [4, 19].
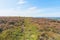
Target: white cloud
[21, 2]
[31, 11]
[13, 12]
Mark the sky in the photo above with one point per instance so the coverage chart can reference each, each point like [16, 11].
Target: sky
[30, 8]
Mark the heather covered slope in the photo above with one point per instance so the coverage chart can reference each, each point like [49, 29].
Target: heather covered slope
[20, 28]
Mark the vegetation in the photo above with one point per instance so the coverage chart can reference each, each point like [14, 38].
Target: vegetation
[19, 28]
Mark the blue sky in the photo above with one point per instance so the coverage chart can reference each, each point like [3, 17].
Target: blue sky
[30, 8]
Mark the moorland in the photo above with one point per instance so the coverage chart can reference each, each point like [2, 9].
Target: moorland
[29, 28]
